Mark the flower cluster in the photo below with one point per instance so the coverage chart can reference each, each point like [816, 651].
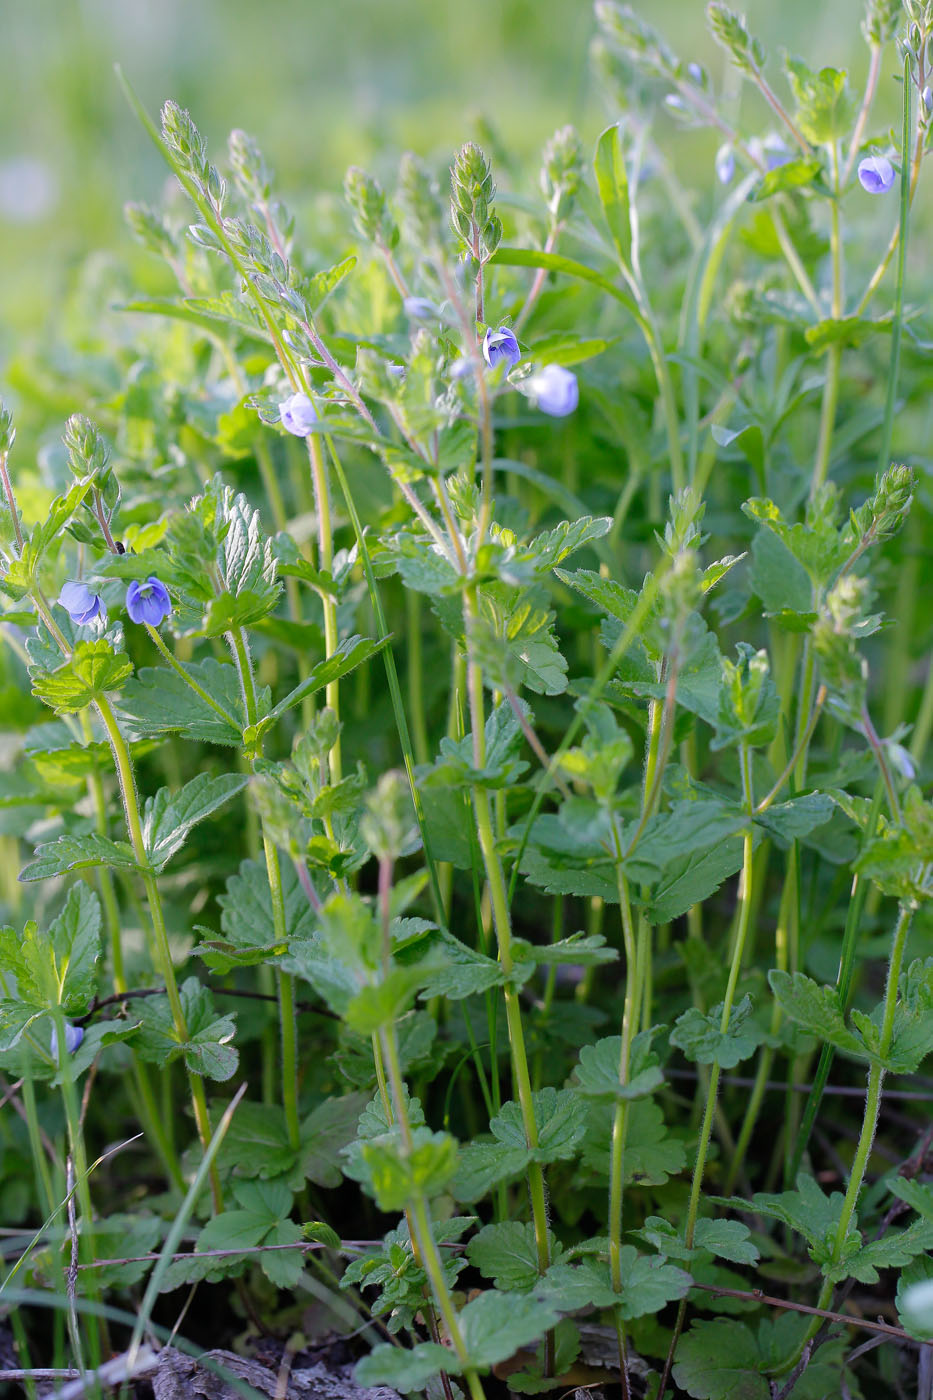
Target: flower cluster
[147, 602]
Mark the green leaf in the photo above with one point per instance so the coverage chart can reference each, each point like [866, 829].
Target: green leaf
[496, 1325]
[699, 1036]
[257, 1142]
[727, 1239]
[652, 1155]
[612, 187]
[809, 1212]
[779, 580]
[648, 1284]
[324, 1133]
[262, 1219]
[560, 348]
[720, 1360]
[93, 669]
[792, 175]
[321, 284]
[398, 1177]
[597, 1074]
[516, 644]
[507, 1253]
[579, 950]
[795, 819]
[350, 653]
[207, 313]
[557, 262]
[69, 852]
[560, 1116]
[157, 701]
[228, 611]
[483, 1165]
[502, 765]
[207, 1049]
[723, 1360]
[406, 1369]
[169, 817]
[247, 919]
[15, 1018]
[846, 331]
[818, 1009]
[59, 967]
[823, 106]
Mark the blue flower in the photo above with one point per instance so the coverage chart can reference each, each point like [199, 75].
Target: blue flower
[875, 174]
[81, 605]
[725, 164]
[148, 602]
[420, 309]
[298, 415]
[501, 347]
[73, 1038]
[555, 390]
[775, 151]
[461, 367]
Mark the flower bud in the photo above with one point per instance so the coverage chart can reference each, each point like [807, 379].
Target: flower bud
[388, 824]
[7, 431]
[88, 453]
[252, 175]
[420, 309]
[725, 164]
[561, 171]
[418, 197]
[371, 215]
[150, 229]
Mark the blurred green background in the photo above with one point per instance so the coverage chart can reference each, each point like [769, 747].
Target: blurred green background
[319, 85]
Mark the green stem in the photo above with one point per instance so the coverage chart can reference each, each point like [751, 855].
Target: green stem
[633, 991]
[416, 676]
[83, 1190]
[165, 964]
[53, 1199]
[286, 991]
[738, 951]
[149, 1116]
[843, 987]
[285, 983]
[827, 419]
[326, 565]
[395, 690]
[884, 451]
[189, 680]
[503, 926]
[875, 280]
[423, 1234]
[869, 1118]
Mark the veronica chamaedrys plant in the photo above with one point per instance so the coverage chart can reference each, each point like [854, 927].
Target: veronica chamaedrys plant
[652, 738]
